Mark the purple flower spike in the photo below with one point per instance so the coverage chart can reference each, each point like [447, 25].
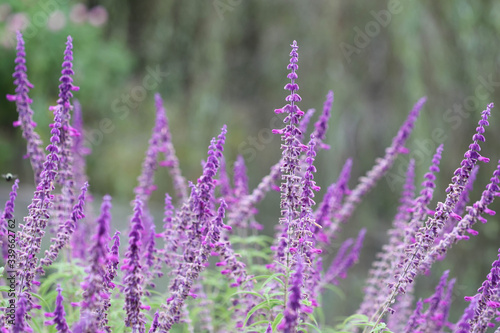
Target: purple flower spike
[415, 318]
[321, 126]
[8, 214]
[343, 261]
[59, 315]
[20, 324]
[331, 204]
[154, 324]
[23, 104]
[133, 279]
[171, 161]
[304, 122]
[113, 261]
[66, 87]
[434, 318]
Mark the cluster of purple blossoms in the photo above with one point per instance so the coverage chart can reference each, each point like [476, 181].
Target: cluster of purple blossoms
[202, 228]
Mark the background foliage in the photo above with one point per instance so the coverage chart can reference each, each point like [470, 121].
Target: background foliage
[225, 63]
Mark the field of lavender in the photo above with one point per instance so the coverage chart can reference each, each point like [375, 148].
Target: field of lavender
[223, 274]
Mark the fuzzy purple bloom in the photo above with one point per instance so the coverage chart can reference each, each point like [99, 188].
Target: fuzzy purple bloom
[23, 103]
[171, 161]
[59, 314]
[304, 122]
[133, 278]
[154, 324]
[20, 324]
[321, 126]
[343, 260]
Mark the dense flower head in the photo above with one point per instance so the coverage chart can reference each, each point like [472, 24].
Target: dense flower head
[321, 126]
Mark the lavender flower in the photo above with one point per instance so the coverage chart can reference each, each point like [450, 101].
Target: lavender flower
[154, 324]
[133, 279]
[113, 261]
[331, 203]
[290, 167]
[171, 161]
[343, 261]
[321, 126]
[59, 314]
[415, 318]
[23, 103]
[304, 123]
[434, 318]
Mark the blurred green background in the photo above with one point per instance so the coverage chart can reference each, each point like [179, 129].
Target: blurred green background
[224, 62]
